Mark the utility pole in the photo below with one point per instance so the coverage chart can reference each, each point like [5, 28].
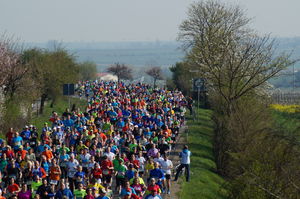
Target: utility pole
[294, 82]
[292, 95]
[198, 84]
[196, 115]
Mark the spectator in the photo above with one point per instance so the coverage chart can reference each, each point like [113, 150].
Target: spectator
[184, 163]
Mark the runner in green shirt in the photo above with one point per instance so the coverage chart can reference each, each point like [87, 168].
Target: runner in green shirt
[64, 148]
[35, 185]
[132, 146]
[3, 163]
[120, 175]
[116, 162]
[80, 192]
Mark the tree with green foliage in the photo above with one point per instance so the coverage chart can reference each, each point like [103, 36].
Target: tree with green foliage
[182, 77]
[87, 70]
[234, 60]
[237, 63]
[50, 70]
[16, 88]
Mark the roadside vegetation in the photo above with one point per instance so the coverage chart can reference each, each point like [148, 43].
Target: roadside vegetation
[252, 152]
[62, 103]
[34, 76]
[287, 119]
[205, 182]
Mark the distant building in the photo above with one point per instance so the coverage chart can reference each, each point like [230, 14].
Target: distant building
[106, 77]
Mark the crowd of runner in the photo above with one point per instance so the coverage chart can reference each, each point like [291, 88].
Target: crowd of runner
[118, 146]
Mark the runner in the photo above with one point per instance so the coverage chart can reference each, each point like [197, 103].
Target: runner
[123, 136]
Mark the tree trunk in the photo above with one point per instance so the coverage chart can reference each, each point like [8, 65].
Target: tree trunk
[53, 102]
[43, 99]
[154, 83]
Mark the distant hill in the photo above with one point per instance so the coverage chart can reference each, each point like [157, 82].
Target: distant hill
[291, 45]
[161, 53]
[141, 55]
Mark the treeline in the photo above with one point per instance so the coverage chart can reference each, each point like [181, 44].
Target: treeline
[256, 158]
[30, 76]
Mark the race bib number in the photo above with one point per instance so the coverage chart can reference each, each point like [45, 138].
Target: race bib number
[13, 176]
[105, 171]
[79, 180]
[120, 173]
[53, 182]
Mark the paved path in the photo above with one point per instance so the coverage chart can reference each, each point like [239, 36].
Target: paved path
[175, 186]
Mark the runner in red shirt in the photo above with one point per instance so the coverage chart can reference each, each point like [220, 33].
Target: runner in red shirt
[152, 186]
[135, 162]
[97, 172]
[9, 135]
[22, 152]
[9, 152]
[107, 168]
[13, 188]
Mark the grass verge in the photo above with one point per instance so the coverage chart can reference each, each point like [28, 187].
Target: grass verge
[204, 183]
[60, 106]
[290, 122]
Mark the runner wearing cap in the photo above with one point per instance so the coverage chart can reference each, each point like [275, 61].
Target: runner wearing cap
[102, 194]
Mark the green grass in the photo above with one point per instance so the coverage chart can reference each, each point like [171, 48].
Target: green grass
[289, 123]
[60, 106]
[204, 183]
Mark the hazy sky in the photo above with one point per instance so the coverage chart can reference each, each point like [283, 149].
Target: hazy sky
[128, 20]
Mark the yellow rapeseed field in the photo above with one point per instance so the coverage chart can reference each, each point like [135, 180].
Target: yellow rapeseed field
[286, 108]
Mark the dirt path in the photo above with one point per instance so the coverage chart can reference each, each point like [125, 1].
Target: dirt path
[175, 186]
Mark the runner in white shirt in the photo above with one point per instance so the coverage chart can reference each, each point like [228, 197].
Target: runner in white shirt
[72, 169]
[91, 164]
[110, 155]
[142, 161]
[158, 158]
[166, 166]
[85, 159]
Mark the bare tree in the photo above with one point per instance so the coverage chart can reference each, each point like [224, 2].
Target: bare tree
[121, 71]
[156, 73]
